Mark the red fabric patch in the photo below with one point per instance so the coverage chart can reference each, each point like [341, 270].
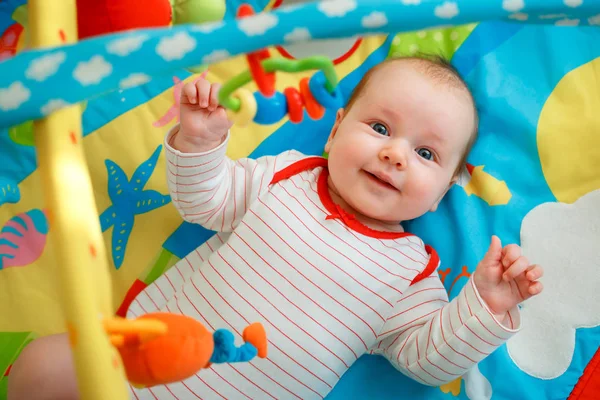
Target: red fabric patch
[588, 386]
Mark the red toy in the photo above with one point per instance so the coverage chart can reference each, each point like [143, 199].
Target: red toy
[98, 17]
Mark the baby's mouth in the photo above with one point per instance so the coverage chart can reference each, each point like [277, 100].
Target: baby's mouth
[380, 181]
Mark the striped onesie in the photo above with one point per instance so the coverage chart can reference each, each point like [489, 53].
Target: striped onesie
[326, 287]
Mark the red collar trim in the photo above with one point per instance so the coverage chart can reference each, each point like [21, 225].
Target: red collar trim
[337, 212]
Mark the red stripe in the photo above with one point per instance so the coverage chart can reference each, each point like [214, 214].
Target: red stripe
[172, 394]
[444, 337]
[197, 165]
[331, 262]
[266, 319]
[211, 388]
[191, 391]
[275, 307]
[291, 302]
[356, 237]
[315, 268]
[420, 291]
[233, 386]
[484, 307]
[417, 305]
[225, 321]
[408, 323]
[239, 334]
[444, 357]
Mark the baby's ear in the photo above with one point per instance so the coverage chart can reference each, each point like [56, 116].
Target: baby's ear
[338, 119]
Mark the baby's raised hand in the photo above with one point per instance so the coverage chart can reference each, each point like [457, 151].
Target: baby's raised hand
[504, 278]
[204, 123]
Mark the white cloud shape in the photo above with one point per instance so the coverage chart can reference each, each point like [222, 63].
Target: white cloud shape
[513, 5]
[45, 66]
[573, 3]
[53, 105]
[215, 56]
[257, 24]
[13, 96]
[175, 47]
[446, 10]
[411, 2]
[207, 27]
[336, 8]
[519, 16]
[132, 80]
[127, 45]
[595, 20]
[93, 71]
[563, 238]
[477, 386]
[567, 22]
[376, 19]
[552, 16]
[297, 35]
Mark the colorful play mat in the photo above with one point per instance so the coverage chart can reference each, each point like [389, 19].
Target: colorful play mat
[534, 173]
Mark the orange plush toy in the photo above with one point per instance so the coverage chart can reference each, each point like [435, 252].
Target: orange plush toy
[98, 17]
[161, 348]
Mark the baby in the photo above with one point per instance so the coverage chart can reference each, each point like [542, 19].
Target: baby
[317, 252]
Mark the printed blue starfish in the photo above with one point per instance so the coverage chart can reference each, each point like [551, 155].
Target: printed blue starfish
[128, 200]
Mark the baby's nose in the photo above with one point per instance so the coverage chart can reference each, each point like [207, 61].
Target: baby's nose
[394, 155]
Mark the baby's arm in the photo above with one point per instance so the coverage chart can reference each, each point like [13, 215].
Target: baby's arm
[434, 341]
[206, 186]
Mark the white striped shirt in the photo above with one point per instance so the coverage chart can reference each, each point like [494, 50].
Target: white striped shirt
[327, 288]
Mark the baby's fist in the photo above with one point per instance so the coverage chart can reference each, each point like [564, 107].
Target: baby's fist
[204, 122]
[505, 278]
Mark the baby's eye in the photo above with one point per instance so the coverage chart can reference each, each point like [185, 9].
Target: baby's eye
[425, 153]
[379, 128]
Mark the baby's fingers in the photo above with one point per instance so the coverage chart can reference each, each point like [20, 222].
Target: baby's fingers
[214, 96]
[516, 268]
[203, 87]
[534, 272]
[510, 254]
[535, 288]
[189, 93]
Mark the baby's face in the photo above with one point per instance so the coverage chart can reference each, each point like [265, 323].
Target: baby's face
[393, 155]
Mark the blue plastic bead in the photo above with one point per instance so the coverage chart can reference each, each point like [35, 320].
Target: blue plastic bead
[270, 109]
[321, 95]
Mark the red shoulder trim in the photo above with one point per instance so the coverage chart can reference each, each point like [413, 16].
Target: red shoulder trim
[299, 166]
[434, 262]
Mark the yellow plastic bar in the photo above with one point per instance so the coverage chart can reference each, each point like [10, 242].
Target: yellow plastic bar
[83, 275]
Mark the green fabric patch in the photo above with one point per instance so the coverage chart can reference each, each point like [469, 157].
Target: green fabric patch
[441, 41]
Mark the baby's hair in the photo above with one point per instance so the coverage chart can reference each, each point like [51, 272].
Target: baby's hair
[439, 70]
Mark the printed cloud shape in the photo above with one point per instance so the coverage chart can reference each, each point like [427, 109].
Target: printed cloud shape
[53, 105]
[134, 80]
[175, 47]
[125, 46]
[573, 3]
[13, 96]
[595, 20]
[563, 239]
[297, 35]
[45, 66]
[567, 22]
[93, 71]
[208, 27]
[513, 5]
[411, 2]
[257, 24]
[336, 8]
[376, 19]
[446, 10]
[215, 56]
